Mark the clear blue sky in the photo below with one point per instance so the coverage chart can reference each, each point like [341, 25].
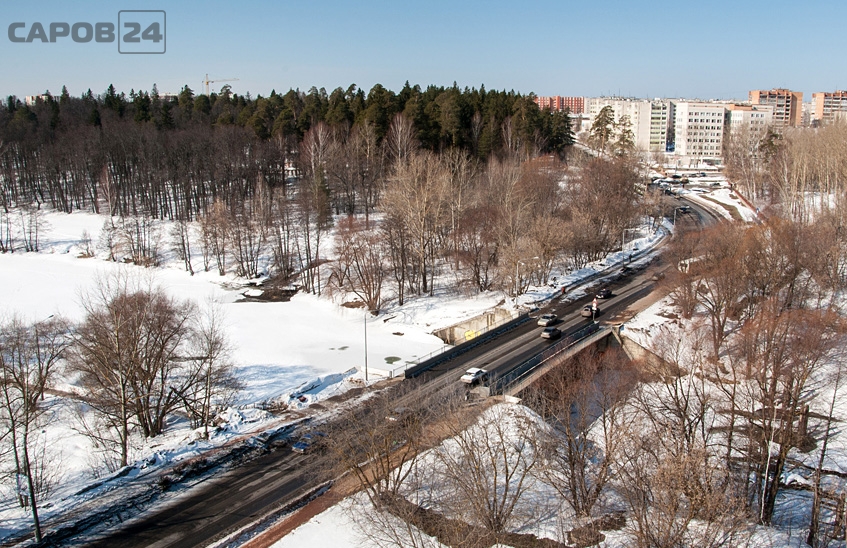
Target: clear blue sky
[719, 49]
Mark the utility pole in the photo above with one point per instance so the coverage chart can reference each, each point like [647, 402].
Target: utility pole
[366, 345]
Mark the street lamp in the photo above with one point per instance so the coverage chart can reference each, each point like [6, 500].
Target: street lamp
[517, 264]
[623, 237]
[366, 345]
[520, 262]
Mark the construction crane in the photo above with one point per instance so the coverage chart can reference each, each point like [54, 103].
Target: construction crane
[206, 82]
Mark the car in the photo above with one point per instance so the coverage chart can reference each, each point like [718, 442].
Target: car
[550, 333]
[589, 311]
[307, 442]
[604, 293]
[474, 375]
[658, 276]
[626, 271]
[547, 319]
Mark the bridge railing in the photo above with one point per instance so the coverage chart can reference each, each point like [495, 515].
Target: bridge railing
[502, 384]
[447, 353]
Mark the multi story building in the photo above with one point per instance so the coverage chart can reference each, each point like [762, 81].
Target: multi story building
[30, 100]
[699, 132]
[787, 105]
[829, 106]
[754, 118]
[576, 105]
[651, 122]
[661, 126]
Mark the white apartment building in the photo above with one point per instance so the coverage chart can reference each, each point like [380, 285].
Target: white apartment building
[661, 125]
[754, 118]
[650, 121]
[699, 133]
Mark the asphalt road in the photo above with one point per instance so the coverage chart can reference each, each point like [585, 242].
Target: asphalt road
[222, 504]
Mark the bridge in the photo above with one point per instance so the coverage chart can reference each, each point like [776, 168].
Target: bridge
[526, 373]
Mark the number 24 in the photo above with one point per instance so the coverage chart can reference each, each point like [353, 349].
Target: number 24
[151, 33]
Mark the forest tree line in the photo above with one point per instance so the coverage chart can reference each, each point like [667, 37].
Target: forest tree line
[172, 157]
[431, 182]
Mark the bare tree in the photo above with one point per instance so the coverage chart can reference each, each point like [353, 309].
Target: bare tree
[417, 197]
[401, 138]
[6, 233]
[819, 534]
[489, 467]
[582, 401]
[209, 380]
[33, 225]
[679, 489]
[139, 238]
[781, 351]
[362, 261]
[214, 227]
[29, 355]
[127, 351]
[181, 236]
[247, 239]
[313, 203]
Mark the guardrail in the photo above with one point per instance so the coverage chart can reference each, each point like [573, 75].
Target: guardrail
[434, 358]
[502, 384]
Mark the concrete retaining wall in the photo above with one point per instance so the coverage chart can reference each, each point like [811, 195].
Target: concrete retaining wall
[472, 327]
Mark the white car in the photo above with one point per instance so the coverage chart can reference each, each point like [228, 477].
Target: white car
[474, 375]
[547, 319]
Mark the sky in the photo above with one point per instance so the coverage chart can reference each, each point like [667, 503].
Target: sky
[707, 50]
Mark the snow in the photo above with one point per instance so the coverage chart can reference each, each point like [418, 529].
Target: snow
[296, 353]
[722, 194]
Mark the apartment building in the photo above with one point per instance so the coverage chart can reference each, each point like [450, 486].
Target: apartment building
[661, 126]
[829, 106]
[699, 132]
[31, 100]
[576, 105]
[651, 122]
[787, 105]
[754, 118]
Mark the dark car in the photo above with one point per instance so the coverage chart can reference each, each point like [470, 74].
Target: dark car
[307, 442]
[551, 333]
[604, 293]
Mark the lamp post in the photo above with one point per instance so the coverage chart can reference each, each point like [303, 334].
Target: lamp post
[517, 264]
[623, 237]
[366, 345]
[520, 262]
